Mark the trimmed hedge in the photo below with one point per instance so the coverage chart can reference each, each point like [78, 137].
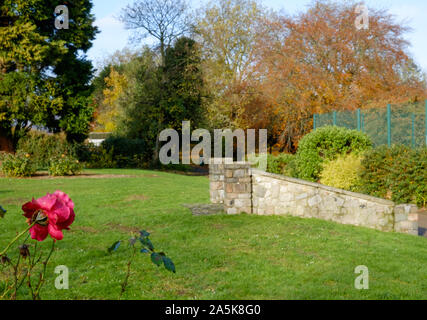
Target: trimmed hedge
[326, 143]
[398, 173]
[342, 172]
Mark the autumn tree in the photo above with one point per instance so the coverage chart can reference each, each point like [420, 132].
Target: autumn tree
[227, 31]
[109, 85]
[115, 86]
[318, 61]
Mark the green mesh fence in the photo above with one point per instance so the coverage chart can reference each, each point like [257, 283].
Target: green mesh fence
[397, 124]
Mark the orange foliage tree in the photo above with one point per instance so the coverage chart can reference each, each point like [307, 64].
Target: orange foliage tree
[318, 61]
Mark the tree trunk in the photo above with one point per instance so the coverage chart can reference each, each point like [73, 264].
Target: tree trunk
[162, 52]
[6, 141]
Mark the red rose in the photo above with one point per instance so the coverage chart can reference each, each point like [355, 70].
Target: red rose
[51, 214]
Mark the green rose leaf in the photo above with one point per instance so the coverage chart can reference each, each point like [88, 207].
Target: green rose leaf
[2, 212]
[144, 233]
[114, 247]
[169, 264]
[156, 259]
[146, 242]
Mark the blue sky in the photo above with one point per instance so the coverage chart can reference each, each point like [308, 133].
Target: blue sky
[114, 37]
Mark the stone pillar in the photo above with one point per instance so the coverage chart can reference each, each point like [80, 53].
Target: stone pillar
[216, 178]
[406, 219]
[238, 188]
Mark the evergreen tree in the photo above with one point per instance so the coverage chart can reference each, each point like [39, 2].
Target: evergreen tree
[44, 74]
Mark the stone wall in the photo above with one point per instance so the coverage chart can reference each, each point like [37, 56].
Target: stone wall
[238, 188]
[242, 189]
[216, 178]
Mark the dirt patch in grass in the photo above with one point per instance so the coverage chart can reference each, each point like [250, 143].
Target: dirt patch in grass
[137, 197]
[45, 175]
[84, 229]
[122, 228]
[218, 226]
[14, 201]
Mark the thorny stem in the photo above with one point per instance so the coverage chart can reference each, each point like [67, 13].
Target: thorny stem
[17, 238]
[125, 281]
[36, 295]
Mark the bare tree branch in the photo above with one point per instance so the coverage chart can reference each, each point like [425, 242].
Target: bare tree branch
[164, 20]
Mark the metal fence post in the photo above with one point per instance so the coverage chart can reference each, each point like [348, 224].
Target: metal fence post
[363, 122]
[334, 118]
[413, 130]
[389, 125]
[358, 119]
[314, 122]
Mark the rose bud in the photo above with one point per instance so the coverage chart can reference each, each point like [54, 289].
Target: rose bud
[24, 251]
[5, 259]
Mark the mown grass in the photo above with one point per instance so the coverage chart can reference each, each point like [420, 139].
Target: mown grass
[217, 257]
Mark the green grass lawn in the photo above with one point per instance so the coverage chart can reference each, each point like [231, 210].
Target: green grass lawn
[216, 257]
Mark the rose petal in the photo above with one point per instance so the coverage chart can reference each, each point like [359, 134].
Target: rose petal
[30, 208]
[59, 212]
[39, 232]
[66, 224]
[47, 202]
[65, 198]
[54, 232]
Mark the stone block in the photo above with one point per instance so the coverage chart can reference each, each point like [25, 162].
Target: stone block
[231, 211]
[314, 201]
[398, 217]
[413, 217]
[405, 209]
[286, 197]
[275, 190]
[240, 173]
[245, 195]
[301, 196]
[260, 191]
[240, 188]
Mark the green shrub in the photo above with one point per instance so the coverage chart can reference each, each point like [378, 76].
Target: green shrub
[99, 158]
[398, 173]
[136, 161]
[342, 172]
[279, 164]
[127, 153]
[126, 147]
[18, 165]
[64, 166]
[326, 143]
[43, 147]
[176, 167]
